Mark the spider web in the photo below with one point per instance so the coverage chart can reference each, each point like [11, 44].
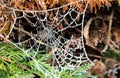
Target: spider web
[32, 29]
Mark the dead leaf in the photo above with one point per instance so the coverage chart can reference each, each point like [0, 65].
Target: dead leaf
[98, 69]
[86, 35]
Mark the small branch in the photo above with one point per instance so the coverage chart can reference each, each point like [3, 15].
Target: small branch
[114, 44]
[96, 56]
[29, 34]
[109, 33]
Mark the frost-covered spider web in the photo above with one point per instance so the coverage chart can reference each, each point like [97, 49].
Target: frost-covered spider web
[51, 28]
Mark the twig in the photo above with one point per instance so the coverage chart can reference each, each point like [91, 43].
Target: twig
[29, 34]
[96, 56]
[114, 44]
[109, 33]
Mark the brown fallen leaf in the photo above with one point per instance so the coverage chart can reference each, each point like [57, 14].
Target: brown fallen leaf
[98, 69]
[89, 39]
